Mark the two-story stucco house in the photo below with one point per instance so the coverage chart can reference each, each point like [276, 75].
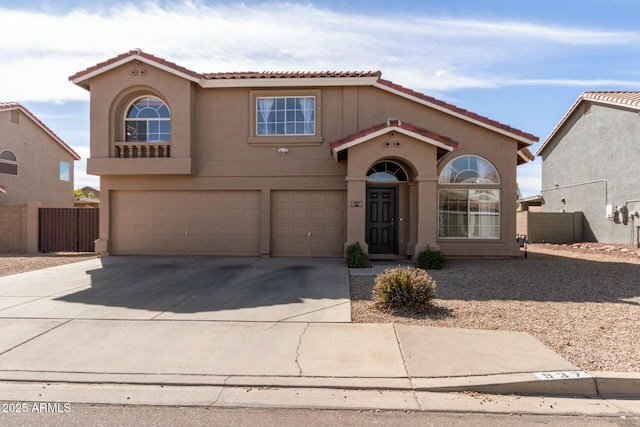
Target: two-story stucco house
[35, 164]
[589, 165]
[293, 164]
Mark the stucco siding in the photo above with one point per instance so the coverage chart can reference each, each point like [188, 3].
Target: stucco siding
[213, 135]
[594, 163]
[38, 157]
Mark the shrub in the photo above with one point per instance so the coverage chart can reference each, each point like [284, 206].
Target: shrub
[404, 288]
[356, 258]
[431, 259]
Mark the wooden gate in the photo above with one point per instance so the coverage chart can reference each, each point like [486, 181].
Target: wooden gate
[68, 229]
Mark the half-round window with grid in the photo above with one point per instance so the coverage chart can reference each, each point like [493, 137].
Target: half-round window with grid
[469, 170]
[148, 120]
[387, 171]
[8, 163]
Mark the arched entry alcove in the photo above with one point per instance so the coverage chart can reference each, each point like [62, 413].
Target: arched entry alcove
[385, 206]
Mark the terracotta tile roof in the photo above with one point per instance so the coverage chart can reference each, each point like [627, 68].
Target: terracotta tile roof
[136, 52]
[459, 110]
[9, 105]
[527, 154]
[524, 137]
[289, 75]
[396, 124]
[6, 106]
[623, 98]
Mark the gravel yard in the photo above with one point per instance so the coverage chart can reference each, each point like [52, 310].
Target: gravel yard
[583, 301]
[14, 264]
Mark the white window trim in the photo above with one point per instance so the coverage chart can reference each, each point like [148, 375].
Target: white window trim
[463, 184]
[125, 118]
[278, 140]
[469, 214]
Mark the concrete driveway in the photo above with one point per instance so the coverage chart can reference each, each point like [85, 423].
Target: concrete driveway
[183, 288]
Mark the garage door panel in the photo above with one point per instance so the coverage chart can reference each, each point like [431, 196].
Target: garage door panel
[337, 232]
[308, 223]
[186, 222]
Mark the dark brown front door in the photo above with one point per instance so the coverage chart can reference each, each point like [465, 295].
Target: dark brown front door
[381, 220]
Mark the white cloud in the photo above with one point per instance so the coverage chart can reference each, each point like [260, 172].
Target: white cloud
[423, 53]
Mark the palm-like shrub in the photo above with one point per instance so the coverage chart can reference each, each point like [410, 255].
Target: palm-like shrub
[404, 288]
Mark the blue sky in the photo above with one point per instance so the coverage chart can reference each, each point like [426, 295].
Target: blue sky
[522, 63]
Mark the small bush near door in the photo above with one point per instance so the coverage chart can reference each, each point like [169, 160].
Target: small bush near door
[430, 259]
[402, 288]
[356, 258]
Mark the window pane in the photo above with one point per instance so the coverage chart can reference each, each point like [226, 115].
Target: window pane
[136, 131]
[163, 112]
[469, 170]
[8, 155]
[291, 129]
[148, 121]
[148, 113]
[64, 171]
[289, 116]
[8, 169]
[453, 213]
[469, 213]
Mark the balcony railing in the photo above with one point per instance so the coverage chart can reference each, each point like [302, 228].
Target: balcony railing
[128, 150]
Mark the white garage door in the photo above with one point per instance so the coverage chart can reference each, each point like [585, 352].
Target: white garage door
[186, 223]
[308, 223]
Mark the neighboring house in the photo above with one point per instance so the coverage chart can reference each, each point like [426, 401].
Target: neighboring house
[90, 192]
[90, 197]
[86, 202]
[530, 204]
[293, 164]
[590, 165]
[35, 164]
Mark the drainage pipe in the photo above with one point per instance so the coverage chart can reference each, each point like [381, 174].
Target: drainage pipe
[559, 187]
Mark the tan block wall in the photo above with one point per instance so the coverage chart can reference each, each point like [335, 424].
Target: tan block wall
[13, 221]
[554, 227]
[19, 228]
[522, 223]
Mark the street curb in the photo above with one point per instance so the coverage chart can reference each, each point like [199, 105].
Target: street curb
[519, 384]
[311, 398]
[602, 384]
[617, 384]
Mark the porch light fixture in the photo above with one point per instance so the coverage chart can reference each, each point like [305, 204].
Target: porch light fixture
[283, 150]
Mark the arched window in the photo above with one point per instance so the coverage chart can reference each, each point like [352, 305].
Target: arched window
[148, 120]
[386, 171]
[469, 210]
[8, 163]
[469, 170]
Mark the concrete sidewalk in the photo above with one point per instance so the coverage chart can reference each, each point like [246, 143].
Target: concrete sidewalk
[189, 361]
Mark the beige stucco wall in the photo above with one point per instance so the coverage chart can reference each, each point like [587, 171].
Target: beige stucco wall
[213, 149]
[39, 157]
